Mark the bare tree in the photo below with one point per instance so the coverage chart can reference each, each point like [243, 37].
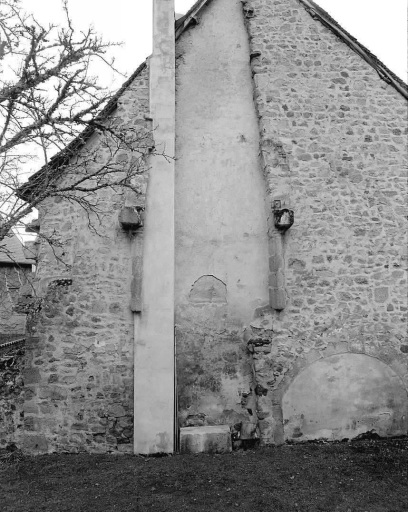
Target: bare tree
[51, 105]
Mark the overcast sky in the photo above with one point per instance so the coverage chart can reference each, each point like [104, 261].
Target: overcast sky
[381, 25]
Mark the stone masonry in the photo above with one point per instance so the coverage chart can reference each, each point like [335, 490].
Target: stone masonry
[333, 146]
[79, 366]
[11, 393]
[281, 335]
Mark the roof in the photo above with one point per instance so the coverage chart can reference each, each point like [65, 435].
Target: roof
[11, 251]
[182, 24]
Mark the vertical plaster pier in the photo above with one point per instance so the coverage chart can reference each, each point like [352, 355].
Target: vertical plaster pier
[154, 329]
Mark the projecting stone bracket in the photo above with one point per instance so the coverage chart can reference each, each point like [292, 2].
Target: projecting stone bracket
[131, 217]
[283, 217]
[248, 11]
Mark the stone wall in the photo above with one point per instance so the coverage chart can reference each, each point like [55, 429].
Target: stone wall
[333, 145]
[263, 318]
[79, 362]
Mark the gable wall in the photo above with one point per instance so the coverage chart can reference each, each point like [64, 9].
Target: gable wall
[333, 141]
[315, 128]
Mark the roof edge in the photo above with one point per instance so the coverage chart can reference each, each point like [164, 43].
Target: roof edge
[324, 17]
[62, 157]
[317, 12]
[189, 18]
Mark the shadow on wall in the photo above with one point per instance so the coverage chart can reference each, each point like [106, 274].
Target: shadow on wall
[343, 396]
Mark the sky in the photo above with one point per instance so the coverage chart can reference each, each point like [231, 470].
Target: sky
[380, 25]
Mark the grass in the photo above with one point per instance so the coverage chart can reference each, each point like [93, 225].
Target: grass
[342, 477]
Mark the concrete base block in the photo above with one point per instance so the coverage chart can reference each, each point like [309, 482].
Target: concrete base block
[216, 439]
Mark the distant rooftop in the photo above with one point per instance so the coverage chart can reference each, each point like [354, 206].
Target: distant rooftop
[11, 251]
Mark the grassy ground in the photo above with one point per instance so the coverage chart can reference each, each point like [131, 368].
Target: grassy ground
[344, 477]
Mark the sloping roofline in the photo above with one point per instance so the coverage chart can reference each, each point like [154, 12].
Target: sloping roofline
[316, 12]
[11, 252]
[63, 156]
[182, 24]
[324, 17]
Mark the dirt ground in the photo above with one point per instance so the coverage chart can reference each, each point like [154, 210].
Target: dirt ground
[358, 476]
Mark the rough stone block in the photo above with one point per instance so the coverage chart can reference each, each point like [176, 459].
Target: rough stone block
[35, 444]
[129, 218]
[206, 439]
[277, 298]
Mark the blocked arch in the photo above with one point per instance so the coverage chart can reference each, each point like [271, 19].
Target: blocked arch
[344, 395]
[208, 289]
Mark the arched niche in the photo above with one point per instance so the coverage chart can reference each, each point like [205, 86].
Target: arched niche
[342, 396]
[208, 290]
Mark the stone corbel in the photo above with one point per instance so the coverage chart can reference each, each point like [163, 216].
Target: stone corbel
[131, 217]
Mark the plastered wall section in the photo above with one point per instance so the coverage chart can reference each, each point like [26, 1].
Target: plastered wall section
[333, 141]
[220, 218]
[79, 357]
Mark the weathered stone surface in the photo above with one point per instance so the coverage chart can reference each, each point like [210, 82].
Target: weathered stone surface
[129, 218]
[11, 393]
[80, 369]
[328, 129]
[207, 439]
